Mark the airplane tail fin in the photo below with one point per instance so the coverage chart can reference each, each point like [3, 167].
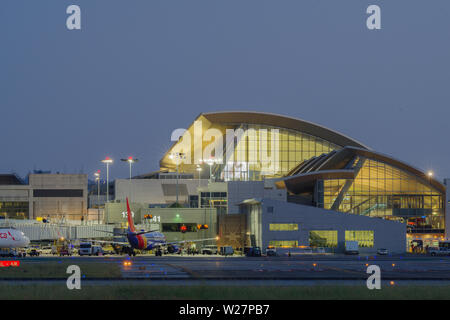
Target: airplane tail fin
[130, 219]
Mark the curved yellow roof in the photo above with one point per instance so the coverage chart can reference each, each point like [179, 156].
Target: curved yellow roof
[276, 120]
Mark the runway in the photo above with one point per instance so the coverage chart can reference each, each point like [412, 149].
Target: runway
[305, 269]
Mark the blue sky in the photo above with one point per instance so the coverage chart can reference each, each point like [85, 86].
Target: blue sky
[139, 69]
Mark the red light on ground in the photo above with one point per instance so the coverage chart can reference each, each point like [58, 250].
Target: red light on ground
[13, 263]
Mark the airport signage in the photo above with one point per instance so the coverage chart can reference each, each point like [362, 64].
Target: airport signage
[11, 263]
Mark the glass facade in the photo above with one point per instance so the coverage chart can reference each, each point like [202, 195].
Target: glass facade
[323, 238]
[14, 209]
[384, 191]
[283, 243]
[269, 152]
[214, 200]
[283, 227]
[364, 237]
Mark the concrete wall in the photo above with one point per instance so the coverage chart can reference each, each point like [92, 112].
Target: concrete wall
[238, 191]
[72, 208]
[387, 234]
[157, 191]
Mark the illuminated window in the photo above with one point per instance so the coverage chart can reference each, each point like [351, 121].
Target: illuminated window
[283, 243]
[323, 238]
[384, 191]
[364, 237]
[283, 227]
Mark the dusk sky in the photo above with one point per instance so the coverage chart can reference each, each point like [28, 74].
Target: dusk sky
[137, 70]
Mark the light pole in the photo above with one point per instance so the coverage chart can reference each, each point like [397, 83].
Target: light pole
[108, 161]
[97, 178]
[178, 156]
[210, 162]
[130, 161]
[199, 170]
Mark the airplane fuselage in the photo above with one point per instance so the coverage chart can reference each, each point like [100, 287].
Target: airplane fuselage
[13, 238]
[148, 241]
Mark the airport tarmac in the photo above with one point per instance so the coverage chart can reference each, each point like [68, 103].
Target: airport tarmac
[307, 269]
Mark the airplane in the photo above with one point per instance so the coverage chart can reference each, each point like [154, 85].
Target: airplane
[10, 237]
[146, 240]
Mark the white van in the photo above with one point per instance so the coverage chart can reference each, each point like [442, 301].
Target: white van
[87, 249]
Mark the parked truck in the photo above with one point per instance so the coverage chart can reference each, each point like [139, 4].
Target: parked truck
[87, 249]
[226, 251]
[351, 247]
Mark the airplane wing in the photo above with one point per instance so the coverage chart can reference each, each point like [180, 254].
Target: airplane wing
[196, 240]
[110, 242]
[111, 232]
[124, 233]
[142, 232]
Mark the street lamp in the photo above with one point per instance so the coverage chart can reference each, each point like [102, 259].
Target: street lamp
[108, 161]
[210, 162]
[97, 178]
[178, 156]
[130, 161]
[199, 170]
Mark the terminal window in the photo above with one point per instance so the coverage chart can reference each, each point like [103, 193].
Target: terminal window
[283, 227]
[283, 243]
[13, 210]
[364, 237]
[58, 193]
[323, 238]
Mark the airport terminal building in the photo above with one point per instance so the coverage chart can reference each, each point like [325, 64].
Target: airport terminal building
[278, 181]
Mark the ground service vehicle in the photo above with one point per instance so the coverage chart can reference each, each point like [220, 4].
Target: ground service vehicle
[34, 253]
[254, 252]
[351, 247]
[438, 251]
[271, 252]
[85, 249]
[209, 249]
[46, 250]
[382, 252]
[226, 251]
[10, 252]
[65, 251]
[97, 251]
